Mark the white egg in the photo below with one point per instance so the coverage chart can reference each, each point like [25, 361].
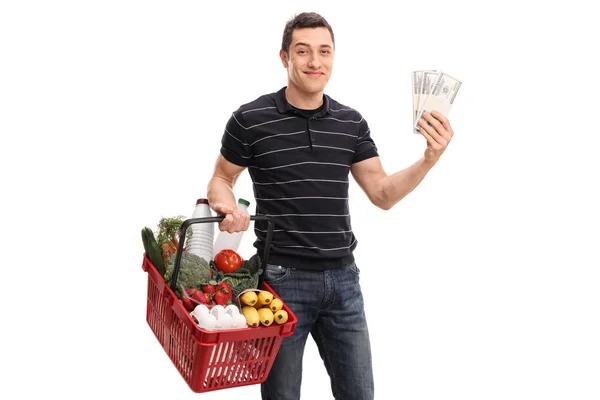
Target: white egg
[217, 311]
[239, 321]
[200, 309]
[207, 321]
[232, 310]
[225, 321]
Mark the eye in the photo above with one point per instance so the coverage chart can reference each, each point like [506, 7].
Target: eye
[301, 51]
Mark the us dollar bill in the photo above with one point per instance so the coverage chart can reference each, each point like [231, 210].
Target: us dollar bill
[429, 79]
[417, 76]
[441, 97]
[421, 84]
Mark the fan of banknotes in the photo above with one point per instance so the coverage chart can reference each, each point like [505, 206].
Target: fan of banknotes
[432, 90]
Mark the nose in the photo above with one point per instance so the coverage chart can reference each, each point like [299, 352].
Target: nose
[314, 61]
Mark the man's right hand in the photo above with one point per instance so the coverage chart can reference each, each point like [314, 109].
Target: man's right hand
[221, 198]
[235, 220]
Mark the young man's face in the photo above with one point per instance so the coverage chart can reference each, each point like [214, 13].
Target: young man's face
[309, 60]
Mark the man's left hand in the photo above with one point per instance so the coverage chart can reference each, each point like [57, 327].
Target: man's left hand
[438, 134]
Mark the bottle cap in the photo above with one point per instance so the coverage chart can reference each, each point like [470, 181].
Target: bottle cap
[244, 202]
[201, 201]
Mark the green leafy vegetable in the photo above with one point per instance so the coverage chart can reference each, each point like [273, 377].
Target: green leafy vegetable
[194, 272]
[168, 228]
[245, 277]
[152, 250]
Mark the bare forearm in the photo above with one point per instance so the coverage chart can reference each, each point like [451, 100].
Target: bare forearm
[222, 199]
[220, 191]
[393, 188]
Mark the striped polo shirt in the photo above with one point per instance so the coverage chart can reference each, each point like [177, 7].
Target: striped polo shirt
[300, 168]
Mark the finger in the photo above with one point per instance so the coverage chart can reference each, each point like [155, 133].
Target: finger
[435, 123]
[444, 120]
[426, 135]
[431, 133]
[227, 222]
[222, 209]
[246, 221]
[431, 141]
[238, 222]
[438, 133]
[231, 228]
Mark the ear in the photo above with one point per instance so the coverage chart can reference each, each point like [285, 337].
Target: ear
[283, 57]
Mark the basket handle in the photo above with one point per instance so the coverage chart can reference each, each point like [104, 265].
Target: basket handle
[191, 221]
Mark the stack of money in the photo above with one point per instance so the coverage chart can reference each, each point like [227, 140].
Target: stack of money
[432, 90]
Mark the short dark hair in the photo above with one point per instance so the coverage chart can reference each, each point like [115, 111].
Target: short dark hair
[303, 20]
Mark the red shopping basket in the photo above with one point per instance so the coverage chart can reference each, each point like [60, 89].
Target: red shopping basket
[211, 360]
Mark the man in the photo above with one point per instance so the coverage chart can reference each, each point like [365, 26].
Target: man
[299, 146]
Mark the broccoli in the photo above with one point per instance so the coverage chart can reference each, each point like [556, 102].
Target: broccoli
[194, 271]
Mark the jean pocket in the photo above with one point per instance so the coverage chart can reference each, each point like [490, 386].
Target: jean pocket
[275, 273]
[354, 268]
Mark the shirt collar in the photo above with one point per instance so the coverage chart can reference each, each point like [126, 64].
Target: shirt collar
[283, 106]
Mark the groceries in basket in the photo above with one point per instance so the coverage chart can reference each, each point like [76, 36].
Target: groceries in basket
[261, 307]
[218, 321]
[218, 317]
[209, 284]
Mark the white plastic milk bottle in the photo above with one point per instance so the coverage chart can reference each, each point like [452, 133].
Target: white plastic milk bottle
[203, 233]
[226, 240]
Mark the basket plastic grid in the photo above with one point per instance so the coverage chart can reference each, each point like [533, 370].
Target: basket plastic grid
[211, 360]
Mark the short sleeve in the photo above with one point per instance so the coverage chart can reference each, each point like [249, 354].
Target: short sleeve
[234, 146]
[365, 146]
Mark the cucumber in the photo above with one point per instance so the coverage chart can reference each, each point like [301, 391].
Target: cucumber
[152, 250]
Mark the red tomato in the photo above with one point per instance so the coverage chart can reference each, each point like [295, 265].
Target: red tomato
[228, 260]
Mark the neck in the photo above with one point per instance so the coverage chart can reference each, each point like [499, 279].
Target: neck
[303, 100]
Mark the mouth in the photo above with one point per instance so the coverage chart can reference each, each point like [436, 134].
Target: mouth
[314, 74]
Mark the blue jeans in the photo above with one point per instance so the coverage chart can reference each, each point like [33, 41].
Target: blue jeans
[328, 305]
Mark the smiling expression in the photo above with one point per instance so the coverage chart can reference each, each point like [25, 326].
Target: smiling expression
[309, 60]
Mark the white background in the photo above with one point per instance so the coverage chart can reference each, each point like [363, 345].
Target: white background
[481, 284]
